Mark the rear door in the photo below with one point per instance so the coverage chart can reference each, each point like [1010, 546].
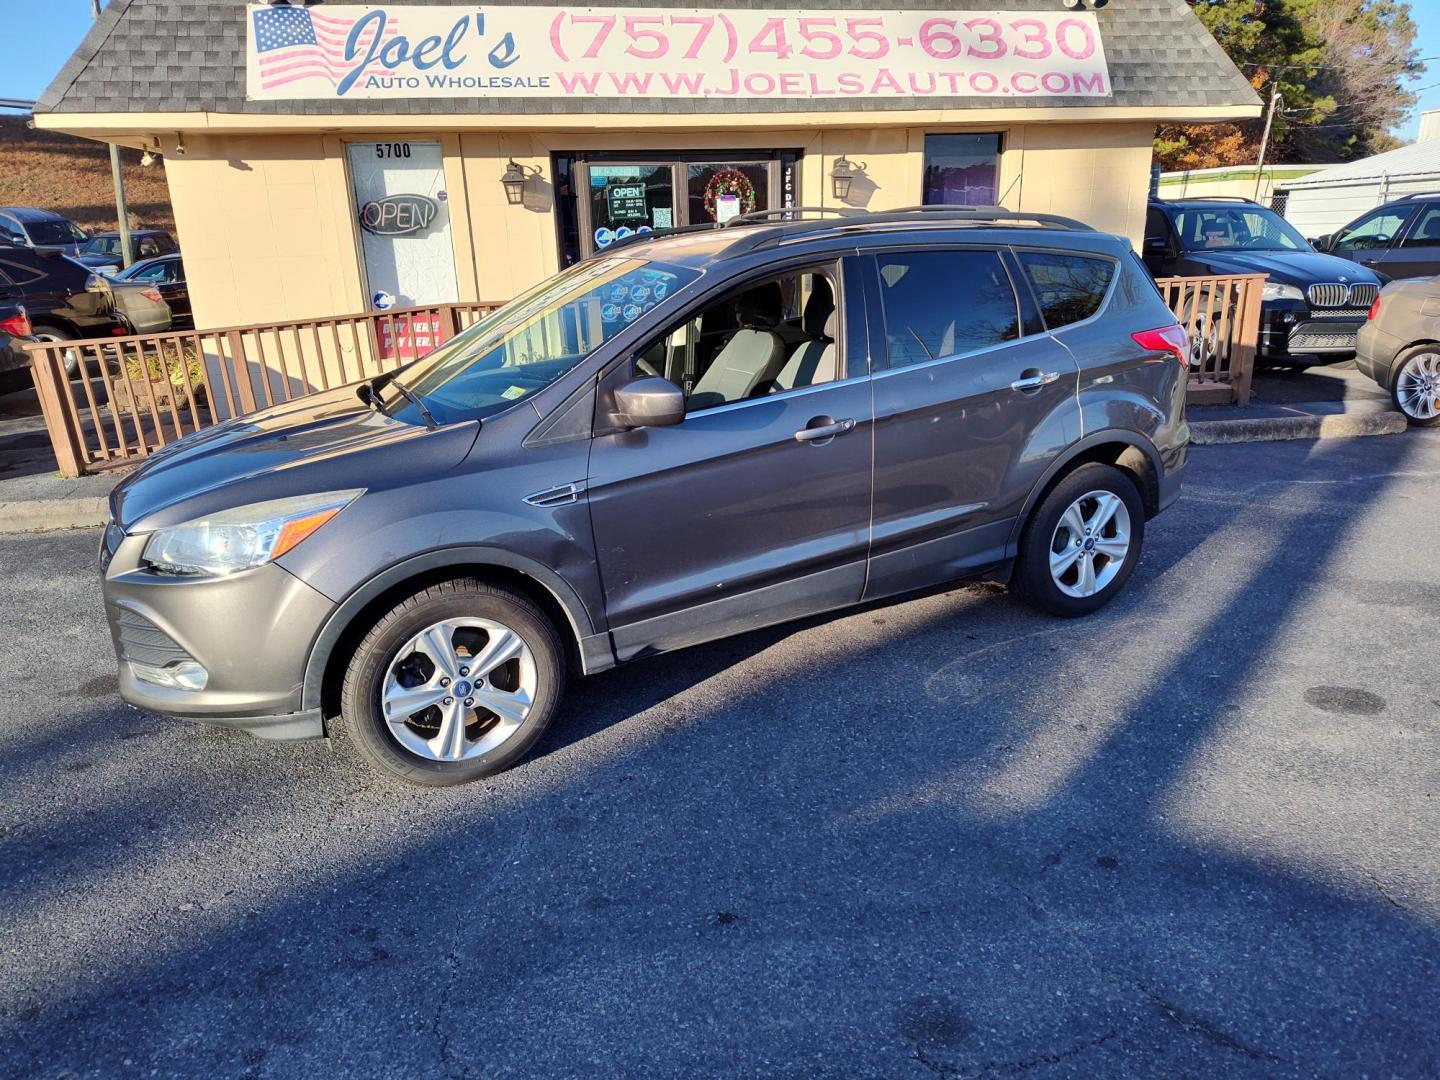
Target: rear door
[1416, 252]
[972, 405]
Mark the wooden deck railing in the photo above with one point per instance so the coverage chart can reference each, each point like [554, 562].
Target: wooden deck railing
[114, 401]
[1222, 317]
[129, 396]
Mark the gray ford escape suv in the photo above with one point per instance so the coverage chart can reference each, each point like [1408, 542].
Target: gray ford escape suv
[684, 438]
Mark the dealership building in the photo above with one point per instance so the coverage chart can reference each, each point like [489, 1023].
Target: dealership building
[324, 159]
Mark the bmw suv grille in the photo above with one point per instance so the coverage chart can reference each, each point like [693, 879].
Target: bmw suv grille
[1337, 294]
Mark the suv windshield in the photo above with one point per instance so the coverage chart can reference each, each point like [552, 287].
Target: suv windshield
[535, 339]
[1235, 228]
[101, 245]
[54, 232]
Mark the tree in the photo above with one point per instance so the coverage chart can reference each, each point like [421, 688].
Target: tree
[1340, 65]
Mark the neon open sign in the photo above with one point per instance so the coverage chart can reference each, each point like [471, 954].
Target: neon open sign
[398, 215]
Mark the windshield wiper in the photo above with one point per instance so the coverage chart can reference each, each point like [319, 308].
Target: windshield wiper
[366, 392]
[419, 403]
[409, 395]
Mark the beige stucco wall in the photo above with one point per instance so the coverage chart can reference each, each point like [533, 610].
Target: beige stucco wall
[268, 227]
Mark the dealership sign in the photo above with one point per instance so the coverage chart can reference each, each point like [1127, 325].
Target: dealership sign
[400, 51]
[398, 215]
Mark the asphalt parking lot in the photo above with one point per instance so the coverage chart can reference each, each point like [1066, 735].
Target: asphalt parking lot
[1194, 835]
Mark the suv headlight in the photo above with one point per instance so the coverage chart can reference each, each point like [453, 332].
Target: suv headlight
[1275, 291]
[245, 537]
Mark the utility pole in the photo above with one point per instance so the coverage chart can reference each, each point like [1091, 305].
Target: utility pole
[1265, 138]
[122, 211]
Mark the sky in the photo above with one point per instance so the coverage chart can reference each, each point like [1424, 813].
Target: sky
[52, 29]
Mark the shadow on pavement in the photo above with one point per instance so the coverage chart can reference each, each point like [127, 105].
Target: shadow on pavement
[938, 838]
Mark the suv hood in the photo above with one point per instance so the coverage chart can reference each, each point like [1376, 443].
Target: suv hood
[1287, 267]
[326, 441]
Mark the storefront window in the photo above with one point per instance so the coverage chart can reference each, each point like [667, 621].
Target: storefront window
[962, 170]
[626, 199]
[404, 215]
[720, 192]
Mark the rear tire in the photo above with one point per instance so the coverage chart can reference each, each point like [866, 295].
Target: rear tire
[1416, 389]
[415, 709]
[1081, 543]
[44, 332]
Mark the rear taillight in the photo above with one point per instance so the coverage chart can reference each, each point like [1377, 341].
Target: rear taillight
[1374, 309]
[16, 325]
[1171, 339]
[151, 294]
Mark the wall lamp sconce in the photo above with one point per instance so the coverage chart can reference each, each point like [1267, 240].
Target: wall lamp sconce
[180, 143]
[514, 181]
[842, 175]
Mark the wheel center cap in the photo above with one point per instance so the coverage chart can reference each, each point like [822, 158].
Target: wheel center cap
[1089, 543]
[463, 688]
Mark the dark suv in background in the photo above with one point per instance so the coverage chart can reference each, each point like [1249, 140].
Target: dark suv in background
[1314, 304]
[65, 300]
[691, 437]
[1398, 240]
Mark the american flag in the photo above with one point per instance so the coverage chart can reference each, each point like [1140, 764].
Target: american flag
[295, 43]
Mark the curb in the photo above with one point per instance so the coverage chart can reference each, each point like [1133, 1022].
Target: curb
[43, 515]
[1275, 429]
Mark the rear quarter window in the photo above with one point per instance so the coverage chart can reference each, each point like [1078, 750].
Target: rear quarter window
[19, 273]
[1069, 288]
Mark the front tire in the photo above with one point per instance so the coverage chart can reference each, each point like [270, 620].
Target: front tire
[1082, 542]
[1416, 392]
[455, 683]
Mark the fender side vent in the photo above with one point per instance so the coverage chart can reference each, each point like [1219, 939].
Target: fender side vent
[557, 496]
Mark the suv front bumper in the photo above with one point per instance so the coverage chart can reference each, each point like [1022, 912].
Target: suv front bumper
[1290, 329]
[251, 633]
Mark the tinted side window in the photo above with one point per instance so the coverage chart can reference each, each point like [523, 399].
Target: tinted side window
[1157, 227]
[1374, 231]
[20, 273]
[940, 303]
[1069, 287]
[1427, 230]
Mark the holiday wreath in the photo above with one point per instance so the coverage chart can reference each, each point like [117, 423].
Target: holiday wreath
[729, 182]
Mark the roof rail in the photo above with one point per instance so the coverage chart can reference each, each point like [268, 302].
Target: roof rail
[973, 213]
[1418, 195]
[790, 213]
[1213, 198]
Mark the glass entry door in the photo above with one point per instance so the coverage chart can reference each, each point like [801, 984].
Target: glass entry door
[618, 198]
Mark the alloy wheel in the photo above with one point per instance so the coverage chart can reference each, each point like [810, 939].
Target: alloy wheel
[1090, 544]
[458, 689]
[1417, 390]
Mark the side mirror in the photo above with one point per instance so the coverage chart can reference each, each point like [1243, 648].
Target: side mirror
[649, 401]
[1323, 243]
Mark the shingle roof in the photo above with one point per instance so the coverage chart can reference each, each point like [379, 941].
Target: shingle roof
[145, 56]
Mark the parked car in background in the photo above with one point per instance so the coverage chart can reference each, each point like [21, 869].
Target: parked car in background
[45, 230]
[65, 300]
[1398, 240]
[1398, 347]
[142, 307]
[14, 333]
[1313, 305]
[103, 252]
[816, 413]
[167, 274]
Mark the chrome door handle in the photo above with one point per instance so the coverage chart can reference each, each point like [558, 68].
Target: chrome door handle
[1034, 382]
[826, 431]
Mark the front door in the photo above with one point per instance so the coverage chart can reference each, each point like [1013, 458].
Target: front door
[970, 409]
[1417, 252]
[756, 508]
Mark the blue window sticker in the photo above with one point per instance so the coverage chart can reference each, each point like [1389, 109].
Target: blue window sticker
[604, 237]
